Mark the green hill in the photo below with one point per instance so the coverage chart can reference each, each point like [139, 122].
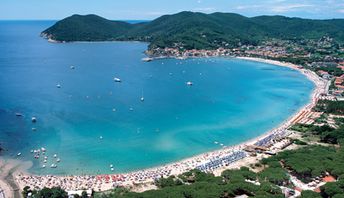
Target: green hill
[194, 30]
[87, 28]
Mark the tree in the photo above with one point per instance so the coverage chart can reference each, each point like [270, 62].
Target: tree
[55, 192]
[310, 194]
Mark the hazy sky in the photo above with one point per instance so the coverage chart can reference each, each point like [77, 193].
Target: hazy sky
[150, 9]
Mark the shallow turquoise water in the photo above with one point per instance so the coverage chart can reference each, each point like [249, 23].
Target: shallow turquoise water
[231, 101]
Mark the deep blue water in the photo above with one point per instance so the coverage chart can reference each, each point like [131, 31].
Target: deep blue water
[231, 101]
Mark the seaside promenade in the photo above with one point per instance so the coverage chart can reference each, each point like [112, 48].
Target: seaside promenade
[236, 156]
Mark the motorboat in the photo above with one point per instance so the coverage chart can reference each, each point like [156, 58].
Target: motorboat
[147, 59]
[117, 79]
[189, 83]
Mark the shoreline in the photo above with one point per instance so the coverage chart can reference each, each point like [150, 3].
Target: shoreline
[103, 183]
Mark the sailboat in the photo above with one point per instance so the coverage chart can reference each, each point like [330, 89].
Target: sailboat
[142, 98]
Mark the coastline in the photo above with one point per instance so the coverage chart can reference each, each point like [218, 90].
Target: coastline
[99, 183]
[8, 170]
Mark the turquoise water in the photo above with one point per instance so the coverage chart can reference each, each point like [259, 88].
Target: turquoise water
[231, 101]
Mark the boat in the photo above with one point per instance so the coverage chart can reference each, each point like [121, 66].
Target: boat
[117, 79]
[147, 59]
[19, 114]
[58, 160]
[189, 83]
[43, 166]
[142, 98]
[58, 85]
[112, 169]
[53, 166]
[34, 119]
[111, 166]
[18, 154]
[72, 67]
[55, 155]
[131, 109]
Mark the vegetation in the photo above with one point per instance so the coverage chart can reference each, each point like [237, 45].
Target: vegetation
[333, 189]
[310, 194]
[189, 30]
[331, 107]
[326, 133]
[55, 192]
[305, 164]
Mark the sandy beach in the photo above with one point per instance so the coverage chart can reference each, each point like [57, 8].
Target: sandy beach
[215, 161]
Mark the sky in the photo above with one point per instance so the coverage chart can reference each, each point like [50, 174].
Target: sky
[151, 9]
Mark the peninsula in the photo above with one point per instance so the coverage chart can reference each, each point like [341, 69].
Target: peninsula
[193, 30]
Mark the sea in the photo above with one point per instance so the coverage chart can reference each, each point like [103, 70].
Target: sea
[91, 121]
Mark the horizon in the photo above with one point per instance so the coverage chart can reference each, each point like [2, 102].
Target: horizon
[149, 10]
[148, 20]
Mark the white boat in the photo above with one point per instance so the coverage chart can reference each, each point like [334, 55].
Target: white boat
[58, 160]
[147, 59]
[34, 119]
[19, 114]
[117, 79]
[58, 85]
[189, 83]
[111, 166]
[43, 166]
[112, 169]
[18, 154]
[142, 98]
[55, 155]
[53, 166]
[131, 109]
[72, 67]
